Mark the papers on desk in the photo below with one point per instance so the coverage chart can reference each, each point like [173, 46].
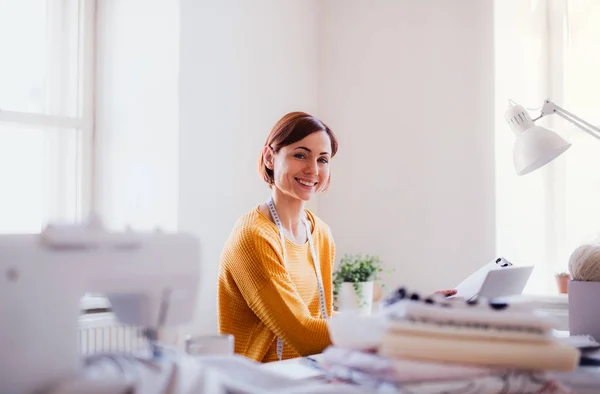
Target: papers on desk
[498, 278]
[578, 341]
[470, 286]
[236, 374]
[297, 368]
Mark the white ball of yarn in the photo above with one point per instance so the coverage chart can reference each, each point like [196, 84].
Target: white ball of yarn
[584, 263]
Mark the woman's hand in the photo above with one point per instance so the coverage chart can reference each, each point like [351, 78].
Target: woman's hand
[446, 293]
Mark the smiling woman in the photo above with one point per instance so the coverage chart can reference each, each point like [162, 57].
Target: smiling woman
[275, 275]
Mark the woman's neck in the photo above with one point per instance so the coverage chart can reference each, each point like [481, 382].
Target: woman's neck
[289, 209]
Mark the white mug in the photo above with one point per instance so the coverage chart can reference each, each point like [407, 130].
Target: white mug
[204, 345]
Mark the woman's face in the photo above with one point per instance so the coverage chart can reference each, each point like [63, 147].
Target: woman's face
[302, 168]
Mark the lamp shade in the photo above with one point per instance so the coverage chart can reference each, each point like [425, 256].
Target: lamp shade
[535, 146]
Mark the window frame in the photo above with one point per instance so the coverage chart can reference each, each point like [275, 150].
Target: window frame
[83, 121]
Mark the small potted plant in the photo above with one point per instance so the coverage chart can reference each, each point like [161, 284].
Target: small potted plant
[354, 282]
[562, 281]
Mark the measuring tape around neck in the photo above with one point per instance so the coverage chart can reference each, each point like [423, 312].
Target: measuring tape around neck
[315, 259]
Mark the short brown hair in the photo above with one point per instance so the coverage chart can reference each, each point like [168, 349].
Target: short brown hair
[292, 128]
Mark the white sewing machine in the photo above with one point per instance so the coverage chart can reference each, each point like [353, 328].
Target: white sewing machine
[151, 280]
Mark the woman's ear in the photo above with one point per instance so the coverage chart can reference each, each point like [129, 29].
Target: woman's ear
[268, 157]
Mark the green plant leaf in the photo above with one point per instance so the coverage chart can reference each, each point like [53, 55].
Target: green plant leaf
[356, 269]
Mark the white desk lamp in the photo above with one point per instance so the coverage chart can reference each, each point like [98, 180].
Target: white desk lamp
[536, 146]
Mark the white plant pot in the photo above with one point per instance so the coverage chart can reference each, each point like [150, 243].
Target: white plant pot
[348, 300]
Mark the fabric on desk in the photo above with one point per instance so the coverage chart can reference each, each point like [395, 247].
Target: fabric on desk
[584, 380]
[400, 370]
[259, 299]
[511, 382]
[118, 373]
[508, 382]
[180, 373]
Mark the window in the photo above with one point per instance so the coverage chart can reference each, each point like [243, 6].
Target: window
[46, 112]
[548, 49]
[581, 96]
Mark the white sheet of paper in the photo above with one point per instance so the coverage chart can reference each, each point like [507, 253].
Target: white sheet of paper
[470, 286]
[293, 368]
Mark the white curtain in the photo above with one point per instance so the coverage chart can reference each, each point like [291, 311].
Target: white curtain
[548, 49]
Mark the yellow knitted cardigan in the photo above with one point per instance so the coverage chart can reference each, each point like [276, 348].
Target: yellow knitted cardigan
[259, 299]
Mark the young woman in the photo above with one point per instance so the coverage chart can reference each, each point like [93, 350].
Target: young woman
[275, 280]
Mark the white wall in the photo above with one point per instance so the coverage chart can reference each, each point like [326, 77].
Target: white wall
[137, 110]
[408, 87]
[243, 65]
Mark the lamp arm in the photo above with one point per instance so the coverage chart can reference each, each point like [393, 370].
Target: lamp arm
[550, 108]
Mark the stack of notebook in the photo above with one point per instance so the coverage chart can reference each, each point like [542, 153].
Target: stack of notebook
[483, 333]
[442, 345]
